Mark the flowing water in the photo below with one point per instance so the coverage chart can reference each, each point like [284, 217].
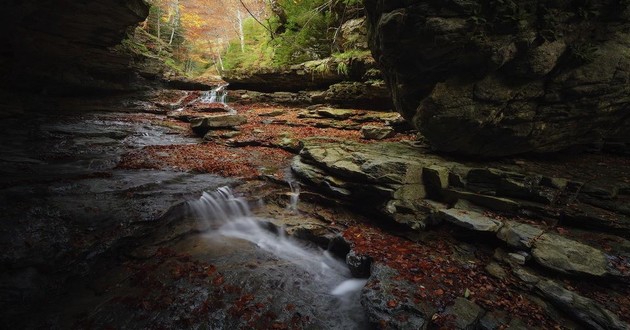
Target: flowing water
[294, 196]
[316, 282]
[215, 95]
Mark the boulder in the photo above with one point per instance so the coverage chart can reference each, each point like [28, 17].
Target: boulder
[372, 94]
[376, 132]
[202, 125]
[476, 82]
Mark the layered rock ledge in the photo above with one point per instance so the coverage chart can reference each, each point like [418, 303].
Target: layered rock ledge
[542, 226]
[501, 78]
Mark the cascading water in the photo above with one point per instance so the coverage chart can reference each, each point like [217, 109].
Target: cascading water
[294, 196]
[313, 280]
[215, 95]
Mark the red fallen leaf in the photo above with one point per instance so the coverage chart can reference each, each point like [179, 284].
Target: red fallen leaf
[211, 270]
[392, 304]
[218, 280]
[438, 292]
[290, 307]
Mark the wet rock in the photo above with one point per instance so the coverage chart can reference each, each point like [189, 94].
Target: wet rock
[204, 124]
[386, 308]
[376, 132]
[466, 314]
[586, 310]
[518, 235]
[359, 264]
[568, 256]
[470, 219]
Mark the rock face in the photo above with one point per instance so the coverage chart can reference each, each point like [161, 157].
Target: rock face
[508, 78]
[53, 46]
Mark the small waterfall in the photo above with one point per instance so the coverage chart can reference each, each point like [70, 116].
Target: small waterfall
[294, 196]
[231, 217]
[215, 95]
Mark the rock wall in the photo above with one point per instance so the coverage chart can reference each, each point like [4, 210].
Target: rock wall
[494, 78]
[61, 46]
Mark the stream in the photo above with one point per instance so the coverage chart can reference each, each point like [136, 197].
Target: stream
[117, 248]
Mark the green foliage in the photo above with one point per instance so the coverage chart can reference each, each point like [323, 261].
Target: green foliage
[307, 33]
[258, 52]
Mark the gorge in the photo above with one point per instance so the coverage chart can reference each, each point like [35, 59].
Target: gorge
[457, 165]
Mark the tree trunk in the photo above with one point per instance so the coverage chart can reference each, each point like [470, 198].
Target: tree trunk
[220, 61]
[159, 14]
[174, 21]
[241, 34]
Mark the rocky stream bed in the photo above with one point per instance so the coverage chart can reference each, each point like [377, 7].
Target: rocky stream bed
[103, 229]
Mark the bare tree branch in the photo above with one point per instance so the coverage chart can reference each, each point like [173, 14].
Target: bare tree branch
[256, 19]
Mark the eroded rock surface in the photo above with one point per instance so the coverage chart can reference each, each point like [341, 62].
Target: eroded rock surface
[486, 79]
[66, 47]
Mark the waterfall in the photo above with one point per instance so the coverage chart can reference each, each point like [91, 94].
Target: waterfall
[294, 196]
[215, 95]
[230, 216]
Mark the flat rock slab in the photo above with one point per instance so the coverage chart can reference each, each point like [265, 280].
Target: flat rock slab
[583, 309]
[204, 124]
[469, 219]
[568, 256]
[519, 235]
[340, 114]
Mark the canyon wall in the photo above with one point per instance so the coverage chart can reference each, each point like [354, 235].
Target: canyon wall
[500, 77]
[67, 45]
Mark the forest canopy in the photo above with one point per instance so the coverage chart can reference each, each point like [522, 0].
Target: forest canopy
[195, 37]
